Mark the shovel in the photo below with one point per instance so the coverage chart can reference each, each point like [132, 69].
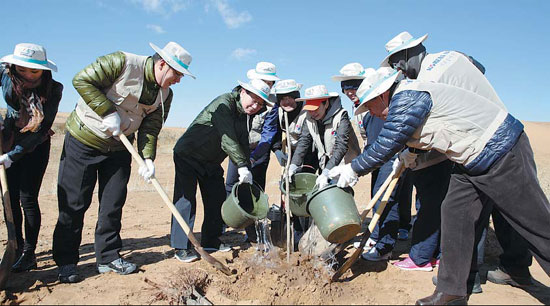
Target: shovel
[11, 248]
[392, 182]
[211, 260]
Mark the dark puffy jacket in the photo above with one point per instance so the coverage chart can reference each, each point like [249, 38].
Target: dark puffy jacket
[408, 111]
[26, 142]
[90, 83]
[220, 130]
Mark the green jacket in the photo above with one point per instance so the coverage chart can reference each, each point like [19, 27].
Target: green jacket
[220, 130]
[91, 82]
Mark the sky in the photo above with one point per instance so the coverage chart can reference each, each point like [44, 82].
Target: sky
[308, 41]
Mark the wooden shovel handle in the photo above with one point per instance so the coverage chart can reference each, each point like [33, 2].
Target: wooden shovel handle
[217, 264]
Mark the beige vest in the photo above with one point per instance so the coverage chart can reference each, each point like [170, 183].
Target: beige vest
[124, 93]
[453, 68]
[324, 151]
[460, 122]
[295, 127]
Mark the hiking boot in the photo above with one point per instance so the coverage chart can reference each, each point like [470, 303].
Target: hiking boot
[502, 277]
[440, 298]
[186, 256]
[26, 262]
[222, 247]
[476, 288]
[374, 255]
[408, 264]
[119, 266]
[403, 234]
[67, 274]
[368, 245]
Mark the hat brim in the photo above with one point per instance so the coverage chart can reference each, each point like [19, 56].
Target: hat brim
[380, 89]
[310, 107]
[330, 95]
[167, 58]
[252, 74]
[340, 78]
[11, 60]
[288, 90]
[411, 44]
[256, 92]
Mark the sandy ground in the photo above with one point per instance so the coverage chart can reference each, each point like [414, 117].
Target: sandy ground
[146, 227]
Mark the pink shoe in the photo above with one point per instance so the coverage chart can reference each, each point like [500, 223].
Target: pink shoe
[434, 262]
[409, 265]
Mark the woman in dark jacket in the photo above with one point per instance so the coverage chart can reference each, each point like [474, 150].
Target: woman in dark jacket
[32, 99]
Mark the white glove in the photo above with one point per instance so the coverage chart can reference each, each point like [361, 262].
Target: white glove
[245, 176]
[111, 123]
[147, 170]
[292, 169]
[396, 165]
[281, 157]
[322, 180]
[408, 158]
[348, 177]
[5, 160]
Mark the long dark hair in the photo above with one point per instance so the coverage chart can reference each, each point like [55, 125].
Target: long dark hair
[43, 90]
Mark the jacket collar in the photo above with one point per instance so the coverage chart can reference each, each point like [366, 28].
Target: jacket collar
[150, 73]
[335, 106]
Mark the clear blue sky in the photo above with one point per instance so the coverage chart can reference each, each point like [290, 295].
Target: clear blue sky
[307, 40]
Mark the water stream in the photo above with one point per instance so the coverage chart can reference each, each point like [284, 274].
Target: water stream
[267, 255]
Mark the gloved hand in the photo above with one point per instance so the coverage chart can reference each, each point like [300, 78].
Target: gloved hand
[147, 170]
[348, 177]
[292, 169]
[281, 157]
[396, 164]
[322, 180]
[245, 176]
[111, 123]
[5, 160]
[408, 158]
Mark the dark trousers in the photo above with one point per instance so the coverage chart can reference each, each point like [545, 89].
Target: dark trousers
[24, 181]
[431, 185]
[79, 170]
[511, 185]
[210, 180]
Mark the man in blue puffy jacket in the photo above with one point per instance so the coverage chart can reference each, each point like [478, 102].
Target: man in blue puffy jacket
[494, 166]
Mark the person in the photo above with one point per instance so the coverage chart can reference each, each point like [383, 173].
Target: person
[263, 129]
[220, 130]
[409, 55]
[119, 93]
[379, 247]
[327, 129]
[32, 97]
[287, 91]
[493, 159]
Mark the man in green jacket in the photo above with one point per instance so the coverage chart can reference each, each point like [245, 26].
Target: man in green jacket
[119, 93]
[220, 130]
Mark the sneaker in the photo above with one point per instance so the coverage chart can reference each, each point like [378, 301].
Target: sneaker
[119, 266]
[186, 255]
[502, 277]
[409, 265]
[67, 274]
[402, 234]
[373, 255]
[221, 248]
[434, 262]
[26, 262]
[370, 243]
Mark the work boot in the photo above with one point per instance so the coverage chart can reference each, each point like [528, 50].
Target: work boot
[67, 274]
[476, 288]
[119, 266]
[502, 277]
[440, 298]
[26, 262]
